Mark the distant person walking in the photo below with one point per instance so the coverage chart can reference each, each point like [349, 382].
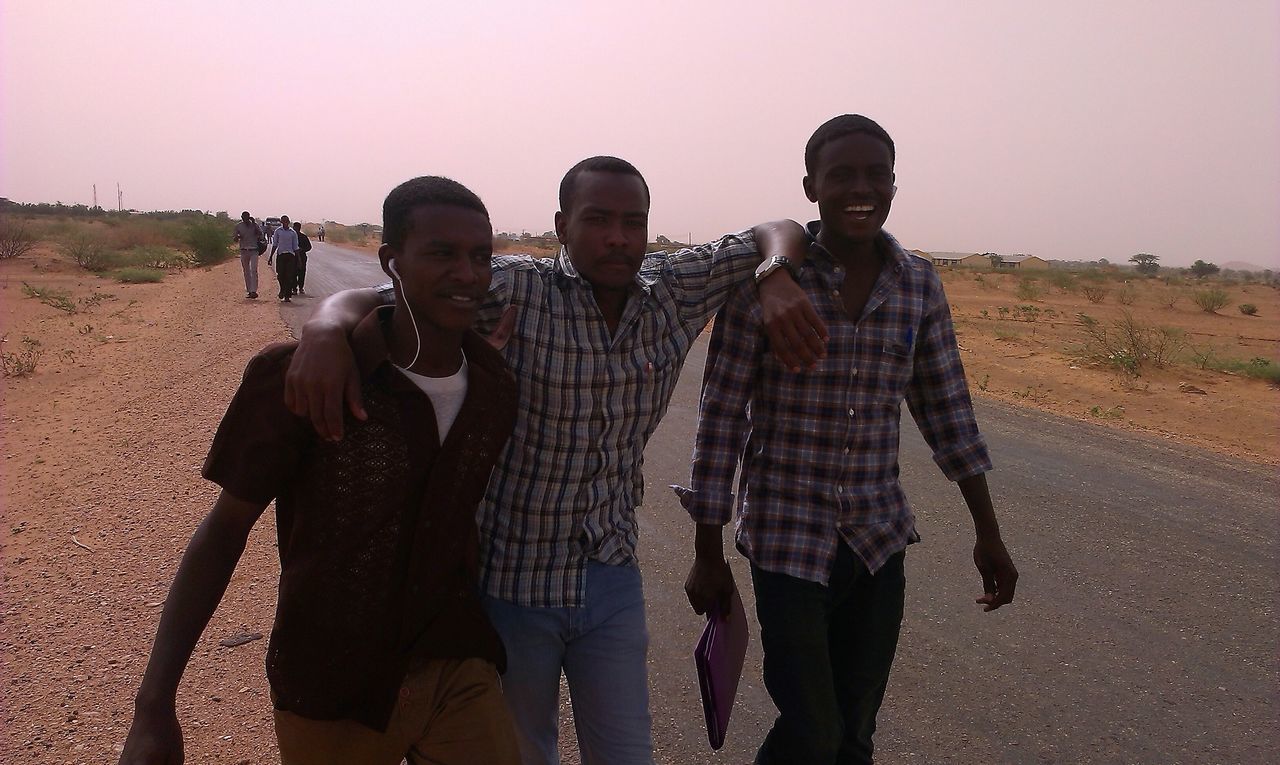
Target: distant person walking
[320, 232]
[304, 246]
[252, 244]
[284, 247]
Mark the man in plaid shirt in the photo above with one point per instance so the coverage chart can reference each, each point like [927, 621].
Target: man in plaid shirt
[597, 342]
[823, 519]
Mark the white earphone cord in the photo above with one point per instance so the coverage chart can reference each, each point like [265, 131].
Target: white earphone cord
[417, 336]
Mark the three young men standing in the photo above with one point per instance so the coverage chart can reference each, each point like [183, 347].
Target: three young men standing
[599, 336]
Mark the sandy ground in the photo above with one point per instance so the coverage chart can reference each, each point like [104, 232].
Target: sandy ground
[101, 490]
[101, 455]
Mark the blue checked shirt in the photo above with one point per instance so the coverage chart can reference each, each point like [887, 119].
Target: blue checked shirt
[819, 450]
[566, 488]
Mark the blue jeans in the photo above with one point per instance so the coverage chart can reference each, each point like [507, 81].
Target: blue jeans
[827, 655]
[601, 647]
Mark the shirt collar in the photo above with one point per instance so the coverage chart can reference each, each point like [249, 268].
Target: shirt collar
[897, 257]
[372, 351]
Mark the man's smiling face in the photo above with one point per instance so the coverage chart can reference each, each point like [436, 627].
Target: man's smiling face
[852, 183]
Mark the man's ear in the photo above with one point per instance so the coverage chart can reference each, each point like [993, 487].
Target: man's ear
[385, 253]
[561, 222]
[809, 192]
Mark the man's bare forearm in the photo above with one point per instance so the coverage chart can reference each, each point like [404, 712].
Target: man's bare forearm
[342, 312]
[782, 237]
[708, 541]
[978, 497]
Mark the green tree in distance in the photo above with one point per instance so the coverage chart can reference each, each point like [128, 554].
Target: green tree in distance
[1201, 269]
[1146, 263]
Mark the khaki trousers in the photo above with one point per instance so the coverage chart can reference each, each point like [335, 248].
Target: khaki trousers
[450, 712]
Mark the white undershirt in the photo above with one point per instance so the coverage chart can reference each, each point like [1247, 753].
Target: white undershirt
[446, 394]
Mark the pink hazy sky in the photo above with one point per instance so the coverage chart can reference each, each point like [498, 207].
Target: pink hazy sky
[1072, 131]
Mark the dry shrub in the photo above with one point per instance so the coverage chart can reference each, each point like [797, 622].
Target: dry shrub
[1128, 345]
[1094, 292]
[1210, 300]
[15, 239]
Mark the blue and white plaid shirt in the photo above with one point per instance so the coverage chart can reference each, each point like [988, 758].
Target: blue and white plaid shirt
[566, 488]
[819, 449]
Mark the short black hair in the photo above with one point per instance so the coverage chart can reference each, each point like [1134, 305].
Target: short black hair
[839, 127]
[601, 164]
[397, 209]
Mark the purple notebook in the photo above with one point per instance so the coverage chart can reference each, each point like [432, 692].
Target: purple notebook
[719, 657]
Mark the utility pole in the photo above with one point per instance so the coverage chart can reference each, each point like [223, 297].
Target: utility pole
[119, 197]
[95, 196]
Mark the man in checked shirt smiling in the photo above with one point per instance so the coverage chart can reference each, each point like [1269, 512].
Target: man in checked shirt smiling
[600, 334]
[822, 517]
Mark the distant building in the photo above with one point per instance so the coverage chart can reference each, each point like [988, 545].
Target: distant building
[1021, 262]
[922, 255]
[964, 259]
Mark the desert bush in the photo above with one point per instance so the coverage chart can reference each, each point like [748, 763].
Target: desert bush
[1249, 309]
[154, 256]
[132, 275]
[126, 236]
[1094, 293]
[1168, 297]
[210, 242]
[1029, 289]
[15, 239]
[23, 362]
[1126, 295]
[1062, 280]
[51, 297]
[1203, 356]
[1128, 345]
[1258, 367]
[1112, 413]
[1210, 300]
[88, 252]
[1026, 312]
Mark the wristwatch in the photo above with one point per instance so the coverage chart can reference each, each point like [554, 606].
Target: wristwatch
[773, 264]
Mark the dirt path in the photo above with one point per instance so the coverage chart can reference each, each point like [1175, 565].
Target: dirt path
[101, 457]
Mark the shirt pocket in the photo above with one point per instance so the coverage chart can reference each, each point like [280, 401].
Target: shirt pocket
[896, 363]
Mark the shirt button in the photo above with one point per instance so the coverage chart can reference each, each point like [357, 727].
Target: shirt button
[846, 450]
[836, 293]
[839, 490]
[850, 412]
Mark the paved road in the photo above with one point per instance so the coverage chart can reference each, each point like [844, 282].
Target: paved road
[1145, 629]
[330, 268]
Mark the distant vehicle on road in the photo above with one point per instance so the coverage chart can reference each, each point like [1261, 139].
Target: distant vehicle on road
[270, 225]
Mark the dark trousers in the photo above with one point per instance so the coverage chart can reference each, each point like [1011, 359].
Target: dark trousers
[302, 270]
[286, 272]
[827, 655]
